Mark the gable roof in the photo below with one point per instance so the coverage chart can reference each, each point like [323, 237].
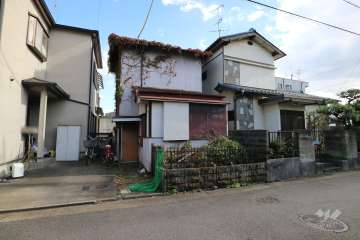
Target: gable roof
[251, 34]
[117, 43]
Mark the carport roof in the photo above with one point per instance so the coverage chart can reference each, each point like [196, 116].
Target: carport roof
[54, 88]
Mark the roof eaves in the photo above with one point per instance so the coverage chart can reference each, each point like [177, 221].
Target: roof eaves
[44, 10]
[252, 32]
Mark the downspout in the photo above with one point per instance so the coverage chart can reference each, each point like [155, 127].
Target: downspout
[91, 76]
[2, 7]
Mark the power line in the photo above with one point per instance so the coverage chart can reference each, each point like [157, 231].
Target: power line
[351, 3]
[98, 13]
[146, 19]
[303, 17]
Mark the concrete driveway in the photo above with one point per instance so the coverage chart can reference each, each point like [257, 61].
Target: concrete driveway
[58, 184]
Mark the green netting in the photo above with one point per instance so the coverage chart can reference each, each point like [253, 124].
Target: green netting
[154, 184]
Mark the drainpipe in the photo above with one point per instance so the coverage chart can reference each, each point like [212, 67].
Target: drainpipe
[91, 78]
[42, 123]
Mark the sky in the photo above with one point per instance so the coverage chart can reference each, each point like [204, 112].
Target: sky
[326, 58]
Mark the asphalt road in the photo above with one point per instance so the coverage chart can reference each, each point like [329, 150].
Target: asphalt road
[258, 212]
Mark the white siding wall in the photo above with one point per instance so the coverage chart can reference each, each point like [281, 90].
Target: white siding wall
[186, 76]
[259, 121]
[176, 121]
[157, 120]
[272, 120]
[255, 76]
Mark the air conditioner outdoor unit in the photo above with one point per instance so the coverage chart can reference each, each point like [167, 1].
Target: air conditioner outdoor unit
[17, 170]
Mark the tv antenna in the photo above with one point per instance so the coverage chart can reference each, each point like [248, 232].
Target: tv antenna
[219, 21]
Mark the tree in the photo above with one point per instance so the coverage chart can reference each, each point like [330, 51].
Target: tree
[351, 95]
[347, 114]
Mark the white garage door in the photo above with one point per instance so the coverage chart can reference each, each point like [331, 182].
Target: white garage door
[68, 143]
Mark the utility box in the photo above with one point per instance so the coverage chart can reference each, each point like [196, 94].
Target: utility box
[68, 143]
[17, 170]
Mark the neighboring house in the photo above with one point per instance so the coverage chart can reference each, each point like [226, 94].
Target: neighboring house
[159, 98]
[242, 68]
[48, 77]
[106, 124]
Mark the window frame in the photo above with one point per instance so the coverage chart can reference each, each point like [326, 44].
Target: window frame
[32, 45]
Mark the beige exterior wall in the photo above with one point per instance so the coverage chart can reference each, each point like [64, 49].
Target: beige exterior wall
[17, 62]
[256, 64]
[69, 62]
[65, 113]
[70, 66]
[241, 49]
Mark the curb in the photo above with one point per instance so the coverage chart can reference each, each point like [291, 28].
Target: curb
[89, 202]
[140, 195]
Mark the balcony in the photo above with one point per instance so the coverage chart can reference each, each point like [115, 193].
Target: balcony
[290, 85]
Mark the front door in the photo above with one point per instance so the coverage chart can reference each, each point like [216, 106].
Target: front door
[130, 142]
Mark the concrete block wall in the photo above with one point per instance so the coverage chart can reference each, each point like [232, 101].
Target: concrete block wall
[255, 142]
[342, 148]
[302, 166]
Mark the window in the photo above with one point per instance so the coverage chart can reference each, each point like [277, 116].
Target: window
[231, 72]
[37, 38]
[231, 116]
[207, 121]
[292, 120]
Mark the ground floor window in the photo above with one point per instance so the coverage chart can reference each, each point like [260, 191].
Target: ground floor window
[292, 120]
[207, 121]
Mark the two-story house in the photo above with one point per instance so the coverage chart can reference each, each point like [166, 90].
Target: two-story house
[159, 98]
[48, 78]
[242, 68]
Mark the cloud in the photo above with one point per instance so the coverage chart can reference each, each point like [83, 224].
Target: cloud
[202, 44]
[208, 11]
[252, 17]
[327, 58]
[234, 15]
[161, 32]
[269, 28]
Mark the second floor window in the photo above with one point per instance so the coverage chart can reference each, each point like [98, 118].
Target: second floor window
[37, 38]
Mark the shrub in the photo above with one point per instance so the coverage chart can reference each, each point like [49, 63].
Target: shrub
[225, 151]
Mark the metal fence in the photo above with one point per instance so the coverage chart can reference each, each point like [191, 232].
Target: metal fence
[283, 144]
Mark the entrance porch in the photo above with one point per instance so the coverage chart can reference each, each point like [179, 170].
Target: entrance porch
[39, 92]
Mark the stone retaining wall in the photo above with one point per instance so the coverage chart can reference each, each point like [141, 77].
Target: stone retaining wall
[185, 179]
